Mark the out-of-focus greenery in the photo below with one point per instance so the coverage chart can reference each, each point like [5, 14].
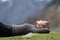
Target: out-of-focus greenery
[50, 36]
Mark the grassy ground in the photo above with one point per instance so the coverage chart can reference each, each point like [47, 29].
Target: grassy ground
[50, 36]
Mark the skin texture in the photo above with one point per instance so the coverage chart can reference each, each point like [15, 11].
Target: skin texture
[42, 24]
[12, 30]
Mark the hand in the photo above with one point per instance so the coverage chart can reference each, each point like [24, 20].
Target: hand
[41, 23]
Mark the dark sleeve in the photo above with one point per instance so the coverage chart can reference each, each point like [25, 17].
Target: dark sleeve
[33, 29]
[5, 30]
[43, 30]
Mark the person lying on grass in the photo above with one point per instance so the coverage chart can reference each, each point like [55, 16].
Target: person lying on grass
[13, 30]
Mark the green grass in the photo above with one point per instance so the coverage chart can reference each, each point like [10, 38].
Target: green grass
[50, 36]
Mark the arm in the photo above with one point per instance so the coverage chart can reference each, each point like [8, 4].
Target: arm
[43, 30]
[5, 30]
[33, 29]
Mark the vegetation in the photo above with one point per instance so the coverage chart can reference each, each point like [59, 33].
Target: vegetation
[50, 36]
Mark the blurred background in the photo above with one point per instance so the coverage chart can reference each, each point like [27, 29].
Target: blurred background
[18, 11]
[22, 11]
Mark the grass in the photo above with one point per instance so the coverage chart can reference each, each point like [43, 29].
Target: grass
[50, 36]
